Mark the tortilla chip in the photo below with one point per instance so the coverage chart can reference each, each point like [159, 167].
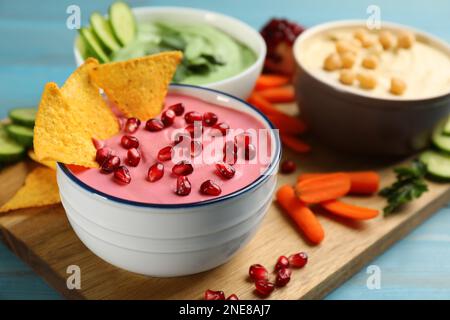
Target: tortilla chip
[40, 189]
[47, 163]
[59, 133]
[83, 95]
[138, 86]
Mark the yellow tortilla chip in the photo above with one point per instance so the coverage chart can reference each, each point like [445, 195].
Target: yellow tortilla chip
[47, 163]
[138, 86]
[59, 133]
[40, 189]
[84, 96]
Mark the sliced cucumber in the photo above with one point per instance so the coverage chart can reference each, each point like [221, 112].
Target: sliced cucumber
[23, 116]
[438, 164]
[22, 135]
[10, 151]
[447, 127]
[93, 44]
[439, 139]
[122, 22]
[103, 31]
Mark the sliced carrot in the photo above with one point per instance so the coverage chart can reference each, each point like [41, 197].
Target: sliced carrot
[288, 124]
[350, 211]
[265, 81]
[323, 188]
[303, 217]
[278, 94]
[294, 143]
[262, 104]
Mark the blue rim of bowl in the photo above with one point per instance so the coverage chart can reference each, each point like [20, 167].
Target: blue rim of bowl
[263, 177]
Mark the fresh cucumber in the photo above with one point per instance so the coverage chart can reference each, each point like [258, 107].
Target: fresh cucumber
[122, 22]
[103, 31]
[10, 151]
[22, 135]
[438, 164]
[439, 139]
[93, 44]
[23, 116]
[447, 127]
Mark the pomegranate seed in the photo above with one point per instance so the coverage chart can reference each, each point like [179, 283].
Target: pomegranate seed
[264, 287]
[133, 157]
[98, 144]
[282, 262]
[283, 277]
[210, 188]
[209, 119]
[243, 139]
[222, 127]
[233, 297]
[196, 148]
[122, 175]
[214, 295]
[129, 142]
[195, 130]
[155, 172]
[183, 186]
[298, 260]
[288, 166]
[249, 152]
[178, 108]
[257, 272]
[193, 116]
[154, 125]
[181, 137]
[102, 154]
[168, 117]
[230, 152]
[165, 153]
[226, 170]
[132, 125]
[110, 164]
[182, 168]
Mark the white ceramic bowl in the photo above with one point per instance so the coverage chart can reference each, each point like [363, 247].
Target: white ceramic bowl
[171, 240]
[239, 85]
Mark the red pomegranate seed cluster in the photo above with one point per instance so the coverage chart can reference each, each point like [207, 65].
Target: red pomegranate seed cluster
[218, 295]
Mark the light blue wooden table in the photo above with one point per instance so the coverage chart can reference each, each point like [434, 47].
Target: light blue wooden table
[36, 47]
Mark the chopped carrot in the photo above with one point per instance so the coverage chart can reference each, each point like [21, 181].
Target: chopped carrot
[288, 124]
[323, 188]
[262, 104]
[294, 143]
[265, 81]
[350, 211]
[279, 94]
[303, 217]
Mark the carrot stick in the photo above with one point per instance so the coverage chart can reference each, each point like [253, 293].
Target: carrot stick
[265, 81]
[262, 104]
[288, 124]
[303, 217]
[294, 143]
[323, 188]
[350, 211]
[279, 94]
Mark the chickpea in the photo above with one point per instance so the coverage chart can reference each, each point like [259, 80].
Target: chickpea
[367, 81]
[398, 86]
[332, 62]
[386, 39]
[405, 39]
[360, 34]
[347, 77]
[370, 62]
[367, 42]
[348, 60]
[343, 47]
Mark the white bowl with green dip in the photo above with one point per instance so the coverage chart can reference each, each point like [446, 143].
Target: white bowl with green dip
[220, 52]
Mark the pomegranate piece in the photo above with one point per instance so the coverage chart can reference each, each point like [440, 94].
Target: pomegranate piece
[214, 295]
[102, 154]
[233, 297]
[298, 260]
[155, 172]
[110, 164]
[129, 142]
[183, 168]
[209, 119]
[226, 170]
[283, 277]
[288, 166]
[249, 152]
[193, 116]
[131, 125]
[183, 186]
[196, 148]
[264, 287]
[222, 128]
[133, 157]
[243, 140]
[168, 117]
[282, 262]
[210, 188]
[122, 175]
[181, 137]
[230, 152]
[178, 108]
[154, 125]
[258, 272]
[195, 130]
[165, 154]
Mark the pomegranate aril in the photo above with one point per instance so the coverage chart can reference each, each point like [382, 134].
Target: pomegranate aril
[243, 139]
[181, 137]
[226, 170]
[129, 142]
[154, 125]
[183, 186]
[222, 127]
[182, 168]
[209, 119]
[133, 157]
[258, 272]
[230, 152]
[131, 125]
[195, 130]
[233, 297]
[110, 164]
[283, 277]
[102, 154]
[196, 148]
[249, 152]
[168, 117]
[282, 262]
[264, 287]
[178, 108]
[298, 260]
[288, 166]
[165, 154]
[210, 188]
[155, 172]
[214, 295]
[193, 116]
[122, 175]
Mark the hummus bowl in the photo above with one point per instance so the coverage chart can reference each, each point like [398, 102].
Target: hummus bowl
[373, 122]
[166, 240]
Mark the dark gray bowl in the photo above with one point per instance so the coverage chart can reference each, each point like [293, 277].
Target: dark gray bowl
[362, 124]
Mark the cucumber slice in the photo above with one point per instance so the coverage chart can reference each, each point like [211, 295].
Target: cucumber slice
[122, 22]
[438, 164]
[23, 116]
[93, 45]
[439, 139]
[22, 135]
[10, 151]
[447, 127]
[103, 31]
